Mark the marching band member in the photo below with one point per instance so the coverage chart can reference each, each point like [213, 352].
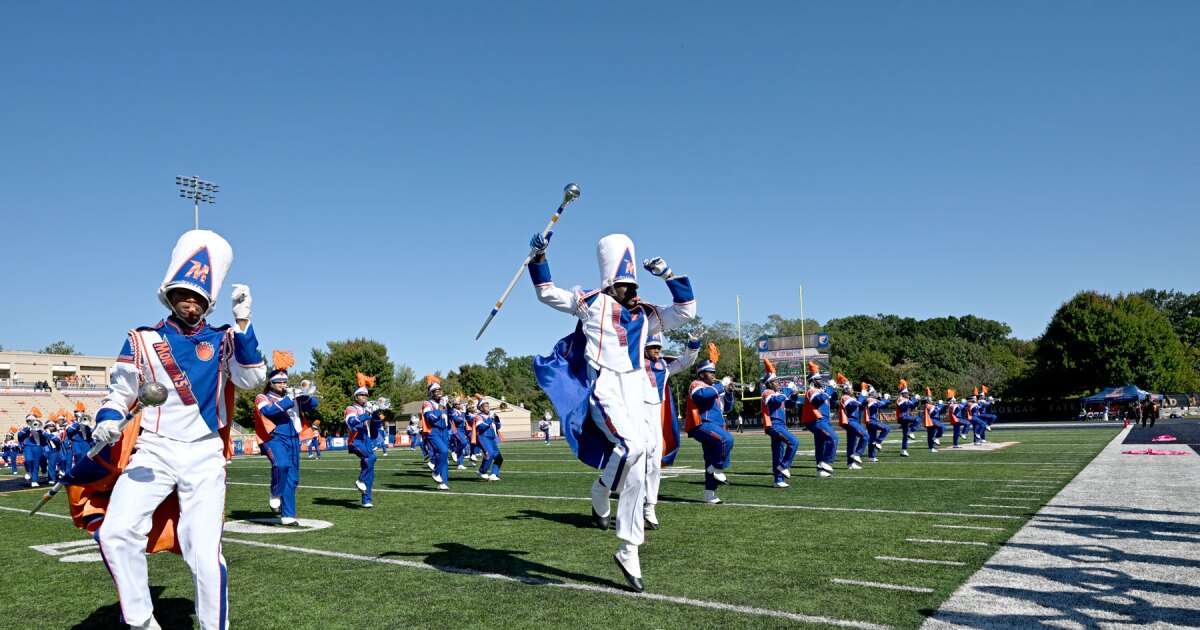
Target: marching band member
[178, 468]
[955, 411]
[80, 436]
[11, 448]
[774, 413]
[459, 446]
[595, 380]
[53, 451]
[544, 427]
[705, 422]
[33, 443]
[985, 409]
[434, 421]
[414, 435]
[814, 415]
[379, 434]
[487, 427]
[978, 426]
[856, 434]
[473, 448]
[358, 416]
[660, 412]
[314, 444]
[933, 427]
[278, 421]
[905, 416]
[877, 429]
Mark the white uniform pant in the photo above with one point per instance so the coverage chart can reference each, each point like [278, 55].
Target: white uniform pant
[160, 466]
[618, 407]
[654, 454]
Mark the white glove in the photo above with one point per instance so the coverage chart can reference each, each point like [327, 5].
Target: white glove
[726, 381]
[887, 396]
[107, 432]
[656, 266]
[371, 407]
[241, 301]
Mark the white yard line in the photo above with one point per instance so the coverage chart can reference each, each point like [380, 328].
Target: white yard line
[949, 542]
[979, 527]
[999, 507]
[949, 563]
[890, 587]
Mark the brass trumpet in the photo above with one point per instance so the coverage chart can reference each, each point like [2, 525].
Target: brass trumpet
[308, 388]
[742, 387]
[36, 424]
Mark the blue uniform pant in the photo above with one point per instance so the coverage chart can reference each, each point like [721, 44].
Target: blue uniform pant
[52, 459]
[783, 448]
[934, 432]
[439, 444]
[424, 444]
[314, 447]
[284, 453]
[824, 440]
[491, 457]
[718, 449]
[856, 440]
[961, 429]
[908, 424]
[10, 457]
[366, 460]
[33, 461]
[877, 431]
[460, 445]
[980, 428]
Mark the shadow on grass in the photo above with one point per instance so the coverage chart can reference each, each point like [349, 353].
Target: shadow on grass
[172, 612]
[579, 521]
[245, 515]
[344, 503]
[464, 559]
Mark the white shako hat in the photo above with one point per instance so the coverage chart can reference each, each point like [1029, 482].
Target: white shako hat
[199, 262]
[616, 257]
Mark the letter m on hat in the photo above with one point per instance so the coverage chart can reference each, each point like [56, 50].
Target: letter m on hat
[626, 270]
[195, 271]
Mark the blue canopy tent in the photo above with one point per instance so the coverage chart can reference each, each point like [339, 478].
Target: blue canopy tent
[1128, 393]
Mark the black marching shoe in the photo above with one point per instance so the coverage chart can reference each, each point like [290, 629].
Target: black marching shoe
[601, 521]
[635, 583]
[651, 525]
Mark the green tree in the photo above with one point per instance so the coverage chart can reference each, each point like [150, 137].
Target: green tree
[1095, 341]
[59, 347]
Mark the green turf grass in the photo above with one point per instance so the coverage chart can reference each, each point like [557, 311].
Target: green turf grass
[750, 552]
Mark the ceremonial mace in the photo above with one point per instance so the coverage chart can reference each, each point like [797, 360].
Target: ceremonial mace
[570, 193]
[150, 394]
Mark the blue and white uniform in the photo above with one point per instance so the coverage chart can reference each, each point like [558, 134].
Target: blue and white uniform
[182, 447]
[851, 413]
[33, 444]
[358, 418]
[544, 429]
[11, 448]
[314, 447]
[487, 427]
[436, 421]
[933, 425]
[278, 421]
[906, 417]
[705, 423]
[53, 452]
[459, 442]
[815, 415]
[775, 403]
[877, 429]
[80, 436]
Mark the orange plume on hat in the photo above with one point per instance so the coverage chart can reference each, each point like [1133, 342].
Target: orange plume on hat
[431, 379]
[976, 393]
[283, 359]
[928, 393]
[714, 355]
[984, 388]
[950, 393]
[841, 379]
[478, 396]
[79, 406]
[768, 366]
[35, 412]
[903, 384]
[12, 429]
[863, 385]
[813, 368]
[365, 381]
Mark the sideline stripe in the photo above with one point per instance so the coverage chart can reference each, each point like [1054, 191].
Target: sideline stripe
[24, 511]
[949, 563]
[686, 601]
[949, 542]
[1014, 499]
[1001, 507]
[979, 527]
[815, 508]
[890, 587]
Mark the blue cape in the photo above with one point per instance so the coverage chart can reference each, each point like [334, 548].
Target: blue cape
[563, 375]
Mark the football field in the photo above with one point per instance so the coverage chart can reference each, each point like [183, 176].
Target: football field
[876, 548]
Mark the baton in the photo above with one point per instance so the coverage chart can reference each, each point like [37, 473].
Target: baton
[150, 394]
[570, 193]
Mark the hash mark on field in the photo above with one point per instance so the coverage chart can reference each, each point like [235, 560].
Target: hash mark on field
[949, 563]
[949, 542]
[536, 581]
[1014, 499]
[979, 527]
[890, 587]
[1002, 507]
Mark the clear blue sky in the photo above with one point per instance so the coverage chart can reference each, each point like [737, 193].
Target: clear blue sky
[382, 165]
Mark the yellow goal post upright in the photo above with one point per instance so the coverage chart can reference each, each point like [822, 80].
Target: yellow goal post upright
[741, 366]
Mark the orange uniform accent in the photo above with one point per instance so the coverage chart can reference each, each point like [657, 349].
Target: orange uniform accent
[928, 418]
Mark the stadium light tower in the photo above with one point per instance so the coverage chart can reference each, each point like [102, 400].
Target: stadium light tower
[198, 191]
